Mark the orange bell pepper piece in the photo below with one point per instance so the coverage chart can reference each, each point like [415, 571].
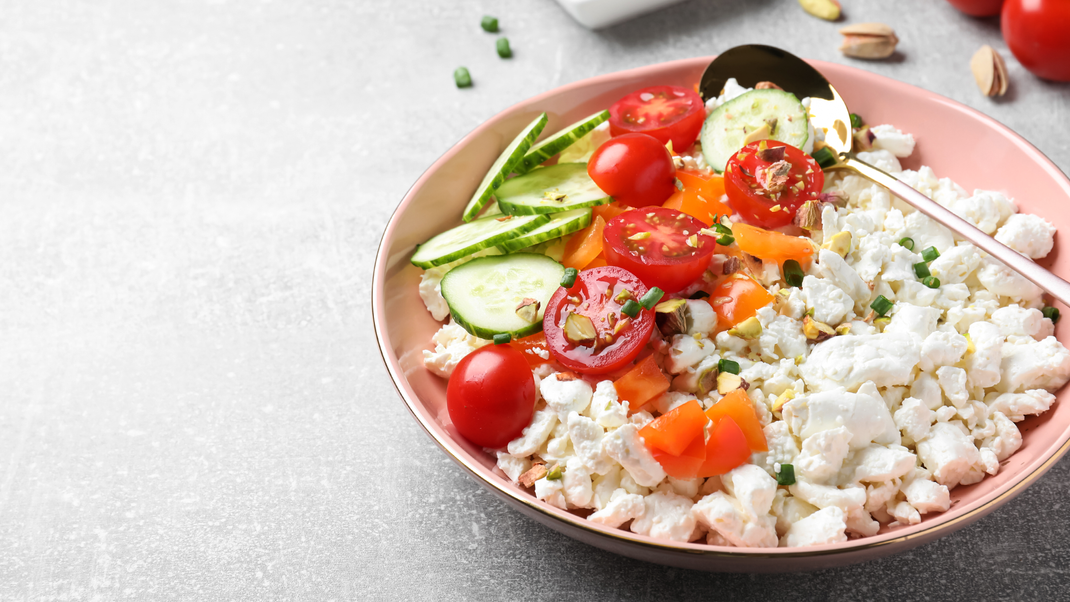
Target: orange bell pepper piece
[673, 431]
[737, 405]
[529, 343]
[641, 384]
[610, 211]
[738, 298]
[726, 449]
[685, 465]
[597, 262]
[773, 246]
[700, 197]
[584, 245]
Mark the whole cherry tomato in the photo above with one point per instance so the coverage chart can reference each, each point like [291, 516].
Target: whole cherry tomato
[634, 169]
[978, 8]
[664, 112]
[663, 247]
[1038, 33]
[768, 180]
[585, 328]
[491, 395]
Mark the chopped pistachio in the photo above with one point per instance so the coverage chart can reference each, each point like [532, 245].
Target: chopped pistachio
[761, 133]
[579, 329]
[843, 329]
[555, 473]
[673, 317]
[707, 380]
[799, 359]
[730, 266]
[837, 197]
[817, 331]
[881, 322]
[748, 329]
[808, 217]
[639, 236]
[528, 310]
[623, 296]
[864, 139]
[771, 155]
[536, 472]
[621, 325]
[839, 243]
[970, 348]
[783, 398]
[728, 382]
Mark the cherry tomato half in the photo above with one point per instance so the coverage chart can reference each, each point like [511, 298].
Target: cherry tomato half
[663, 247]
[664, 112]
[978, 8]
[491, 395]
[594, 303]
[634, 169]
[767, 185]
[1036, 32]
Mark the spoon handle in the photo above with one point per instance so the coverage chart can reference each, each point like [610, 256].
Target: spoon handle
[1055, 286]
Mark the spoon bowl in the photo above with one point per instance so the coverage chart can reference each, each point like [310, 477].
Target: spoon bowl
[754, 63]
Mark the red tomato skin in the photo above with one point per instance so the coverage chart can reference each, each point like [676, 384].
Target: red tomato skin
[625, 347]
[682, 128]
[491, 395]
[1036, 31]
[669, 274]
[978, 8]
[754, 208]
[634, 169]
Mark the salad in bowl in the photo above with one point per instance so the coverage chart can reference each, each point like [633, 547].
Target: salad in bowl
[667, 318]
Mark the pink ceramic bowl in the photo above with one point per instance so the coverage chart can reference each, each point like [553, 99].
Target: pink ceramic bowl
[955, 141]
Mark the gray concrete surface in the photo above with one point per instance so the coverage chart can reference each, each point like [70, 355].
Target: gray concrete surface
[191, 403]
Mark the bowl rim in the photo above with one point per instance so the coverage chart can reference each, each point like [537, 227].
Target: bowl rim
[912, 535]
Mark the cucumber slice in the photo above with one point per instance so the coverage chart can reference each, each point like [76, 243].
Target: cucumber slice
[503, 167]
[542, 151]
[474, 236]
[538, 190]
[484, 293]
[559, 225]
[727, 127]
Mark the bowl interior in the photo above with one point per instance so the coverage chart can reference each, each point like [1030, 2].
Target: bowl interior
[957, 142]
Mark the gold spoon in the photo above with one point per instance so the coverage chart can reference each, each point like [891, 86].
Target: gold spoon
[755, 63]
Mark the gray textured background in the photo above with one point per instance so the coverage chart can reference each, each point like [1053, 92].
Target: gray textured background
[191, 403]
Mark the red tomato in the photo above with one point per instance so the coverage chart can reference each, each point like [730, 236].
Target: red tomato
[491, 395]
[665, 112]
[661, 246]
[634, 169]
[598, 296]
[1036, 32]
[764, 186]
[978, 8]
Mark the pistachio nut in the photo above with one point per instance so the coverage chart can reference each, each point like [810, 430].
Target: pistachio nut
[989, 71]
[728, 382]
[839, 243]
[673, 317]
[868, 41]
[748, 329]
[782, 399]
[808, 217]
[528, 310]
[817, 331]
[579, 329]
[828, 10]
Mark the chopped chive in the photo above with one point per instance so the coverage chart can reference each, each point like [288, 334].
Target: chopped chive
[930, 254]
[703, 294]
[856, 121]
[921, 270]
[728, 366]
[1051, 313]
[793, 273]
[907, 243]
[462, 77]
[724, 241]
[825, 157]
[786, 476]
[502, 338]
[630, 308]
[931, 281]
[489, 24]
[504, 50]
[569, 277]
[881, 305]
[722, 229]
[651, 298]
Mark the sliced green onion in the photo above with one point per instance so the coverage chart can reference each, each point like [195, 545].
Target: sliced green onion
[651, 298]
[793, 273]
[489, 24]
[502, 338]
[724, 241]
[630, 308]
[1051, 313]
[699, 294]
[881, 305]
[930, 254]
[569, 278]
[931, 281]
[723, 229]
[504, 50]
[786, 476]
[825, 157]
[462, 77]
[921, 270]
[856, 121]
[907, 243]
[728, 366]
